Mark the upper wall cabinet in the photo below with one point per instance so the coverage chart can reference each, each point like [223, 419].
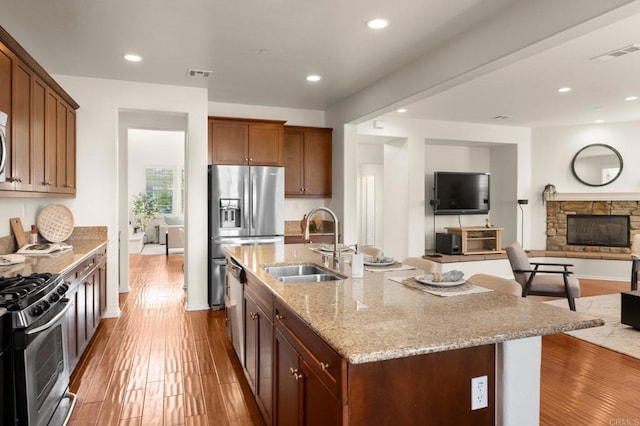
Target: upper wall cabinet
[239, 141]
[41, 128]
[307, 162]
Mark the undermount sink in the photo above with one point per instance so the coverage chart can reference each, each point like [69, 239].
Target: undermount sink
[303, 273]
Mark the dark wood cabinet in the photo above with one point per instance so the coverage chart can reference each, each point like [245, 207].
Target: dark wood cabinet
[41, 128]
[259, 345]
[307, 162]
[245, 142]
[87, 295]
[21, 118]
[309, 374]
[297, 378]
[301, 397]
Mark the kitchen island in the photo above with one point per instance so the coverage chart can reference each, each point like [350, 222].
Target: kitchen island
[380, 351]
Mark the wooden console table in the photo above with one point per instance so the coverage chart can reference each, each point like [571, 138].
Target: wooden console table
[478, 239]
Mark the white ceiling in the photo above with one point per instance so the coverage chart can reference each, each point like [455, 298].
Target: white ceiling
[88, 38]
[327, 37]
[526, 91]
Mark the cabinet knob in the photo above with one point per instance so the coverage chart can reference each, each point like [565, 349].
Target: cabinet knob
[10, 179]
[253, 315]
[298, 376]
[324, 366]
[279, 317]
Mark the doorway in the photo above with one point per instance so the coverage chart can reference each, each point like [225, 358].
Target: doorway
[137, 130]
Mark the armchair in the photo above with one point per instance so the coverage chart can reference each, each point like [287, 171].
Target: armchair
[635, 261]
[542, 282]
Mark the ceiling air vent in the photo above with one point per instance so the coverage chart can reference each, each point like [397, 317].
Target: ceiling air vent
[501, 117]
[199, 73]
[618, 52]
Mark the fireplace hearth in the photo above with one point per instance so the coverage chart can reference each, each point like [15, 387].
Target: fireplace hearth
[598, 230]
[592, 226]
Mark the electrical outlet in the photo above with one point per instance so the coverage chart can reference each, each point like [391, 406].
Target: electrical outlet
[479, 393]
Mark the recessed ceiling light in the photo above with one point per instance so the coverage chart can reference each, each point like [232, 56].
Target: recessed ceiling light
[313, 77]
[631, 98]
[599, 121]
[564, 89]
[402, 110]
[132, 58]
[377, 23]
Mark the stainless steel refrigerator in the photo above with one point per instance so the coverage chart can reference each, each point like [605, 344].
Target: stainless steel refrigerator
[246, 207]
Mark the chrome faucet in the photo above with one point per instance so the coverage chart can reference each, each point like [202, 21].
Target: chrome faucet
[336, 250]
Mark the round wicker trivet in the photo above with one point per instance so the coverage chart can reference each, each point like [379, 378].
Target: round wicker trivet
[55, 223]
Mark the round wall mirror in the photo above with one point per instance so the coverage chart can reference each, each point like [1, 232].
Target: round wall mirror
[597, 164]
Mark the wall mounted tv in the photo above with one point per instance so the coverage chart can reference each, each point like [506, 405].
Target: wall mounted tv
[460, 193]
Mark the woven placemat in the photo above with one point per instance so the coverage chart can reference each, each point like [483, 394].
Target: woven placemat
[55, 223]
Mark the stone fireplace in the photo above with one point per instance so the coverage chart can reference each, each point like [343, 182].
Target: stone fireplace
[592, 226]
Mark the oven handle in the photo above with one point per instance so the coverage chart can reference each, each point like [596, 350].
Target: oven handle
[53, 320]
[72, 405]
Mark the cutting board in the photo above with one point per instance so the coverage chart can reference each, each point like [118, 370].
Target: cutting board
[18, 231]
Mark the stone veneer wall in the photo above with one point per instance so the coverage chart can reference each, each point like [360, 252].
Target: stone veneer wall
[557, 212]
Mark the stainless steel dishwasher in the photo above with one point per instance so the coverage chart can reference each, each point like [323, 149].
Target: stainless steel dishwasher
[233, 295]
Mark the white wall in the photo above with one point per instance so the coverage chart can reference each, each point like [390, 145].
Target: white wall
[98, 197]
[449, 146]
[553, 149]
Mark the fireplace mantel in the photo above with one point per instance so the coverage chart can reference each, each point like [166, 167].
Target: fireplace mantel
[596, 196]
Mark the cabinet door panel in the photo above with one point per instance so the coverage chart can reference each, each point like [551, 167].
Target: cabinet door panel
[288, 410]
[319, 406]
[228, 142]
[265, 144]
[61, 146]
[70, 145]
[21, 120]
[317, 163]
[265, 364]
[38, 139]
[103, 289]
[293, 161]
[72, 330]
[251, 340]
[51, 142]
[6, 71]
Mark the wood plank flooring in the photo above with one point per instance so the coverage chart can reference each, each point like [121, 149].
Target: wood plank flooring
[158, 364]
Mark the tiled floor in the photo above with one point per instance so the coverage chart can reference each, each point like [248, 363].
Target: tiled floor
[158, 364]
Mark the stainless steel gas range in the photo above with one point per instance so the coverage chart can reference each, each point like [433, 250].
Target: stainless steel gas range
[37, 307]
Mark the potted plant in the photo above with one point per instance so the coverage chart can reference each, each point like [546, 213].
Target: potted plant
[145, 208]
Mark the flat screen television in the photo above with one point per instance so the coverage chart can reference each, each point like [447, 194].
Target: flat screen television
[461, 193]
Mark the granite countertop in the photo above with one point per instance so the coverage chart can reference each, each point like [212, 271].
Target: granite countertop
[56, 262]
[374, 318]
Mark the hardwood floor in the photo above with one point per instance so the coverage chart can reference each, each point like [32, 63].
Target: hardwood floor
[157, 364]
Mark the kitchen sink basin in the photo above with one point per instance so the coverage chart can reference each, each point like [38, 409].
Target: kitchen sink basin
[303, 273]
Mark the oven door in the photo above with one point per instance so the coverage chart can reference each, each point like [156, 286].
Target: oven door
[42, 370]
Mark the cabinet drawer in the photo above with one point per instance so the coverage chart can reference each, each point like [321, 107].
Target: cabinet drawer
[100, 255]
[260, 294]
[322, 359]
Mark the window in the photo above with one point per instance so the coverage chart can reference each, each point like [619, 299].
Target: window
[159, 183]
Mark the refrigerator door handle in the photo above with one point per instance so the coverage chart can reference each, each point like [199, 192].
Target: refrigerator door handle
[254, 201]
[246, 191]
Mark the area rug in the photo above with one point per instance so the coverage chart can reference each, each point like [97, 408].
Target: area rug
[151, 249]
[612, 335]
